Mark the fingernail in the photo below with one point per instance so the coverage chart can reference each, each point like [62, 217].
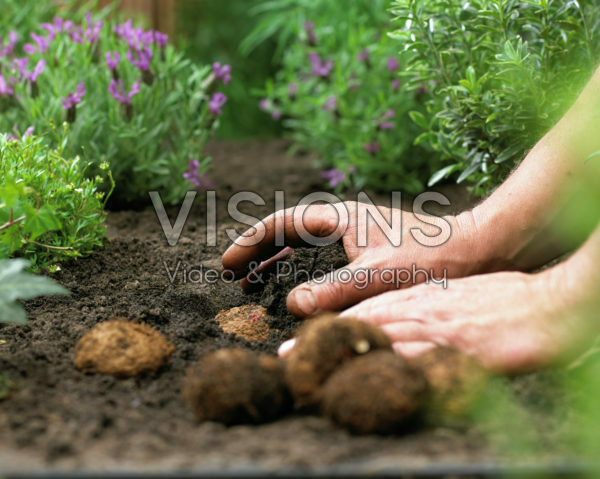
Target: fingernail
[286, 347]
[305, 301]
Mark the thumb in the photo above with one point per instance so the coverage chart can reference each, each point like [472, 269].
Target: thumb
[334, 291]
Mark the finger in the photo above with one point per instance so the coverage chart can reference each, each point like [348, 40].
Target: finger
[413, 349]
[414, 331]
[335, 291]
[294, 224]
[389, 306]
[286, 348]
[265, 268]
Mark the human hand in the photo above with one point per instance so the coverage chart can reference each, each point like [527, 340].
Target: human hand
[511, 322]
[367, 246]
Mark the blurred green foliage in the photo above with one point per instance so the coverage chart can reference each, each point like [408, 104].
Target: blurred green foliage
[212, 30]
[338, 92]
[499, 73]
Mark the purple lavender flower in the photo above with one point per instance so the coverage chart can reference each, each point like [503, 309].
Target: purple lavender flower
[20, 64]
[384, 123]
[10, 46]
[58, 23]
[57, 26]
[51, 29]
[73, 99]
[92, 33]
[37, 71]
[124, 30]
[193, 167]
[216, 102]
[396, 84]
[264, 104]
[293, 90]
[334, 176]
[145, 38]
[320, 68]
[41, 42]
[363, 56]
[309, 29]
[118, 92]
[161, 39]
[389, 114]
[142, 62]
[393, 64]
[112, 60]
[5, 87]
[193, 175]
[276, 115]
[330, 104]
[137, 38]
[76, 34]
[372, 147]
[29, 49]
[16, 136]
[222, 72]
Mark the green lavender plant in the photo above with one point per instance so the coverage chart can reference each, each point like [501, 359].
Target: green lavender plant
[499, 74]
[338, 93]
[49, 210]
[132, 100]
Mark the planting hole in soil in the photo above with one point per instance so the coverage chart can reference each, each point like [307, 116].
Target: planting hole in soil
[248, 322]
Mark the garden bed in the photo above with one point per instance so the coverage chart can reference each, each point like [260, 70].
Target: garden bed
[60, 419]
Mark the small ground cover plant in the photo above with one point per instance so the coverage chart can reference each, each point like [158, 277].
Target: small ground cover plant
[16, 284]
[131, 99]
[49, 210]
[339, 93]
[498, 74]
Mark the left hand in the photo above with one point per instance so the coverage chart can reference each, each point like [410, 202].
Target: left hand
[511, 322]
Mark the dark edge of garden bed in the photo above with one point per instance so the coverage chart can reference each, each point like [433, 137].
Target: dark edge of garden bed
[481, 470]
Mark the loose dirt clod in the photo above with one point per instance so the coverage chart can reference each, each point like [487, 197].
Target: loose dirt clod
[377, 393]
[237, 386]
[248, 322]
[122, 348]
[323, 345]
[456, 381]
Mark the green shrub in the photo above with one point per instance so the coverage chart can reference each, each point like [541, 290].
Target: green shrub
[146, 115]
[49, 210]
[499, 73]
[338, 92]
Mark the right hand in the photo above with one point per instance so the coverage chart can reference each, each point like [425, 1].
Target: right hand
[458, 256]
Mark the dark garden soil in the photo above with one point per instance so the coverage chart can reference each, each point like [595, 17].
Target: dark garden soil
[62, 419]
